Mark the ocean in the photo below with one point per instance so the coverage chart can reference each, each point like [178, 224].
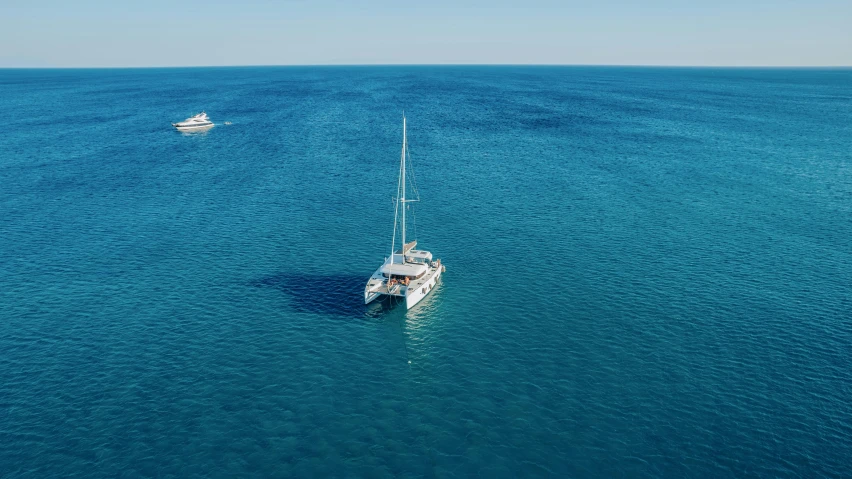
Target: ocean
[649, 273]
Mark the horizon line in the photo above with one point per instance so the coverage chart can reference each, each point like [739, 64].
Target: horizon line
[602, 65]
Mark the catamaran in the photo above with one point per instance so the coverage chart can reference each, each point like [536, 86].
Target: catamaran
[408, 274]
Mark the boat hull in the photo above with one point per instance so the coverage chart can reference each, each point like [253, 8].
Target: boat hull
[194, 127]
[369, 297]
[414, 295]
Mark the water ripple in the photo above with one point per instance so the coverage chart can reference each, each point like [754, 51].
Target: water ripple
[648, 274]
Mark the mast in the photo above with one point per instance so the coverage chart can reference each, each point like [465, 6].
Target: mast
[402, 174]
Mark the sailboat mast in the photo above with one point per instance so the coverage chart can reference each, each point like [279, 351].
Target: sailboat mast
[402, 173]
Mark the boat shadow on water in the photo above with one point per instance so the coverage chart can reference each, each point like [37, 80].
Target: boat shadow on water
[333, 295]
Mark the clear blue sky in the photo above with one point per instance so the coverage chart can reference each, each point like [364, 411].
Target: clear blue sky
[89, 33]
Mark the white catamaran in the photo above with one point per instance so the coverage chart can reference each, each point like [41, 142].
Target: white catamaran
[408, 273]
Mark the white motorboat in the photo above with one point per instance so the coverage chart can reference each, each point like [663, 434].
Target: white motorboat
[408, 273]
[197, 122]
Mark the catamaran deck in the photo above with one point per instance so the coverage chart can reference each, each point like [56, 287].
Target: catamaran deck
[378, 283]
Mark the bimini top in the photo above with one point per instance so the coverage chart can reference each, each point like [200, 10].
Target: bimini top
[404, 269]
[419, 255]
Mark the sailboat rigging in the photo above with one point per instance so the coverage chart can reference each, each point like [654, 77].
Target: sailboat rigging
[407, 273]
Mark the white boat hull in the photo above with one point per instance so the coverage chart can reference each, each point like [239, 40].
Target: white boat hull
[414, 295]
[194, 128]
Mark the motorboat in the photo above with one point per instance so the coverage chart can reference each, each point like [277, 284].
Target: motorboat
[197, 122]
[408, 274]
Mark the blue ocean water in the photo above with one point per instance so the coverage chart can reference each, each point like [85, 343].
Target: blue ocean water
[648, 273]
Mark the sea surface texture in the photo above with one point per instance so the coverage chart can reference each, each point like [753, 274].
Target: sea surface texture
[649, 273]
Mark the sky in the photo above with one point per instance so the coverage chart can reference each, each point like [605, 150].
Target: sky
[148, 33]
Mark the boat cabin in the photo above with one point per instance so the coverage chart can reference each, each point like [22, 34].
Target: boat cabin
[418, 256]
[410, 270]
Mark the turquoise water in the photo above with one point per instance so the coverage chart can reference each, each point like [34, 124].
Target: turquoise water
[648, 273]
